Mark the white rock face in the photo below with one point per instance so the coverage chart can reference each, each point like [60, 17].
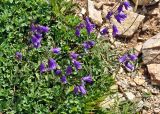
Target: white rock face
[130, 96]
[94, 14]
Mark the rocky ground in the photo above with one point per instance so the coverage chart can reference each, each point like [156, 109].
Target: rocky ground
[139, 32]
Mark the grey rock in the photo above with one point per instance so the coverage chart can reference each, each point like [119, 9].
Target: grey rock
[151, 50]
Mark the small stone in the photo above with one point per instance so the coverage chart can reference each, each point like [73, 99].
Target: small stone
[114, 87]
[138, 47]
[147, 105]
[139, 81]
[99, 4]
[154, 91]
[94, 14]
[83, 11]
[139, 106]
[133, 84]
[130, 96]
[154, 72]
[157, 110]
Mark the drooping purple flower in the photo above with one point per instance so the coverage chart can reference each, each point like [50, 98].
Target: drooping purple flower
[89, 26]
[38, 36]
[76, 89]
[88, 44]
[37, 44]
[82, 90]
[64, 79]
[109, 14]
[69, 70]
[91, 43]
[36, 41]
[104, 31]
[43, 28]
[77, 64]
[33, 28]
[132, 57]
[77, 33]
[57, 72]
[120, 8]
[129, 66]
[52, 64]
[123, 58]
[56, 50]
[80, 26]
[42, 68]
[74, 55]
[115, 30]
[120, 17]
[18, 56]
[87, 79]
[126, 5]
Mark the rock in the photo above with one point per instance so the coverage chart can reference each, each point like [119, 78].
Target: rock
[155, 91]
[151, 50]
[83, 11]
[154, 72]
[139, 106]
[94, 14]
[157, 110]
[133, 84]
[130, 96]
[114, 87]
[147, 105]
[130, 25]
[105, 10]
[145, 2]
[110, 100]
[99, 4]
[138, 47]
[139, 81]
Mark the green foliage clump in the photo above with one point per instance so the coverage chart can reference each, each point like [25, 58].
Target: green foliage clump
[22, 88]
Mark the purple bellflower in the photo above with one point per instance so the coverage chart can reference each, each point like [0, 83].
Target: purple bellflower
[69, 70]
[129, 66]
[56, 50]
[64, 79]
[104, 31]
[82, 90]
[74, 55]
[89, 26]
[42, 68]
[120, 17]
[126, 5]
[88, 44]
[109, 15]
[18, 56]
[123, 58]
[115, 30]
[120, 8]
[33, 28]
[77, 64]
[76, 89]
[52, 64]
[132, 57]
[77, 33]
[41, 28]
[87, 79]
[57, 72]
